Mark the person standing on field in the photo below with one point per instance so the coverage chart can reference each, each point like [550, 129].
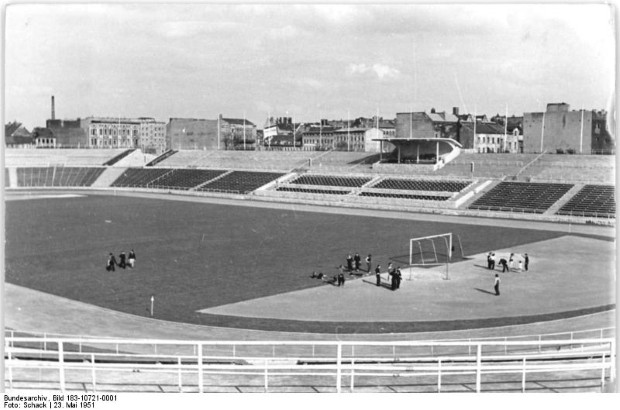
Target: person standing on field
[132, 258]
[350, 262]
[496, 284]
[378, 274]
[357, 260]
[111, 263]
[527, 261]
[368, 261]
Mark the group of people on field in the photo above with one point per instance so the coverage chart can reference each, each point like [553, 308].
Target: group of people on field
[507, 266]
[123, 262]
[354, 267]
[510, 264]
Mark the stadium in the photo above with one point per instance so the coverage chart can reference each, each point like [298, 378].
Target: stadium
[222, 299]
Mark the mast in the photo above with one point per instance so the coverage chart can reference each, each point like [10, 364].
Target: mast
[348, 131]
[474, 128]
[506, 128]
[581, 133]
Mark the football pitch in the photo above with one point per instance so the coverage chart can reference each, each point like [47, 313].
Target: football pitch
[192, 256]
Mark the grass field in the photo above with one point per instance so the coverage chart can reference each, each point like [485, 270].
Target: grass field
[194, 255]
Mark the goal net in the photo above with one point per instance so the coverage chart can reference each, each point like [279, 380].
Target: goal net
[435, 250]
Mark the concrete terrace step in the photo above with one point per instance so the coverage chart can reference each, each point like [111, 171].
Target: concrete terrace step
[564, 199]
[135, 159]
[108, 176]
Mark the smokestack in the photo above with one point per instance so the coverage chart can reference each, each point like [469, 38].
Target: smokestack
[53, 109]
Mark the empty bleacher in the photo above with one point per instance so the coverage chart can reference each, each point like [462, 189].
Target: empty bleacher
[331, 180]
[592, 201]
[185, 178]
[240, 182]
[521, 197]
[160, 158]
[311, 190]
[422, 185]
[139, 177]
[118, 157]
[57, 176]
[403, 196]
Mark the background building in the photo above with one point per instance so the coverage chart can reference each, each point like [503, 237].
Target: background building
[107, 132]
[192, 133]
[152, 136]
[559, 130]
[431, 125]
[490, 137]
[238, 133]
[17, 136]
[68, 133]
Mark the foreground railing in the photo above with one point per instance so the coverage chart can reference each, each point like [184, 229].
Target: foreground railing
[100, 364]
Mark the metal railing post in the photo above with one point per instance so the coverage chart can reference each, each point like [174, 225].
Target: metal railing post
[338, 367]
[439, 376]
[61, 366]
[200, 380]
[603, 371]
[180, 375]
[266, 377]
[523, 377]
[478, 367]
[10, 363]
[612, 356]
[92, 371]
[352, 373]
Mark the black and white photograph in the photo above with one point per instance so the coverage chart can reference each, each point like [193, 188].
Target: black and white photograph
[303, 198]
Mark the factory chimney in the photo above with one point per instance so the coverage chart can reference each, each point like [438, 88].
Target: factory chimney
[53, 109]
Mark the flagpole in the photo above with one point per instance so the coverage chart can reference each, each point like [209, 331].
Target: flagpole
[506, 128]
[474, 128]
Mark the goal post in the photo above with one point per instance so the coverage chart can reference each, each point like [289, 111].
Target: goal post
[430, 250]
[435, 250]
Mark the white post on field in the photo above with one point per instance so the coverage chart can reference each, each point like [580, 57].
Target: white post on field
[152, 302]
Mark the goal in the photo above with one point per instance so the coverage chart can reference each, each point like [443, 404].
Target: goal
[435, 250]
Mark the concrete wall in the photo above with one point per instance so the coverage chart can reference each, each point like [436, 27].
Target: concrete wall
[562, 130]
[192, 133]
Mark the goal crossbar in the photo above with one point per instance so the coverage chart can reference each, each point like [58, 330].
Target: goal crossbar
[444, 239]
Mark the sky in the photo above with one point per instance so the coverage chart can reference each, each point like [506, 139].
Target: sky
[305, 61]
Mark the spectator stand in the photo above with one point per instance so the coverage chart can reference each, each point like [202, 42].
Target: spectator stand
[521, 197]
[596, 201]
